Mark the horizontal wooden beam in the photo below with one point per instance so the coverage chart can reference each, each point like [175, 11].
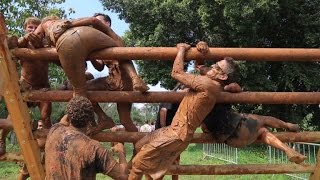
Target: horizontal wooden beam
[169, 53]
[239, 169]
[213, 169]
[124, 136]
[155, 97]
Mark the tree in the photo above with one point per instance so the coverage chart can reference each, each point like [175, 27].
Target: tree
[232, 23]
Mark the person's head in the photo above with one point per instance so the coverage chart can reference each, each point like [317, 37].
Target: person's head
[80, 112]
[225, 71]
[49, 18]
[103, 18]
[31, 24]
[40, 124]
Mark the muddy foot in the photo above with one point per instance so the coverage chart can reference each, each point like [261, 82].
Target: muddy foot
[2, 147]
[293, 127]
[139, 85]
[296, 157]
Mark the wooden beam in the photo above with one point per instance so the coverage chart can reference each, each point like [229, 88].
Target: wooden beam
[124, 136]
[17, 108]
[239, 169]
[169, 53]
[155, 97]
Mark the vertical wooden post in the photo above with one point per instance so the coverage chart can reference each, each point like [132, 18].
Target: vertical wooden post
[18, 110]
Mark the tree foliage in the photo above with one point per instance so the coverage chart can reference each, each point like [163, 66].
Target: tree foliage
[233, 23]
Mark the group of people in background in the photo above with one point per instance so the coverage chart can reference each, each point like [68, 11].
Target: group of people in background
[70, 153]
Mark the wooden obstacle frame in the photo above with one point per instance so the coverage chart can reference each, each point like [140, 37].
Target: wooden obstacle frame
[30, 153]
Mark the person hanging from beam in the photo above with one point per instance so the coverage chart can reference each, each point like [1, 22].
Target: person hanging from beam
[163, 146]
[238, 129]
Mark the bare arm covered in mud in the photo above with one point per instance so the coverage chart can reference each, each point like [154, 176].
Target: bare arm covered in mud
[178, 73]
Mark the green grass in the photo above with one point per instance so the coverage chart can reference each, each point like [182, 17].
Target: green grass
[192, 156]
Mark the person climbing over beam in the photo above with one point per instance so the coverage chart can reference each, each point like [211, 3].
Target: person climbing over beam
[164, 145]
[75, 40]
[68, 37]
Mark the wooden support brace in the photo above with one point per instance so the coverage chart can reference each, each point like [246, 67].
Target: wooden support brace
[17, 108]
[239, 169]
[155, 97]
[169, 53]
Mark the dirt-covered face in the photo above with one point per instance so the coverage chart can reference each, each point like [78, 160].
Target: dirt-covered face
[218, 71]
[31, 27]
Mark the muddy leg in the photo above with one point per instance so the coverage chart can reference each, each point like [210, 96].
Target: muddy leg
[270, 139]
[124, 110]
[72, 54]
[275, 122]
[138, 84]
[6, 126]
[45, 111]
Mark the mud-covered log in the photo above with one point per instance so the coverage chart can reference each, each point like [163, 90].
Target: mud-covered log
[239, 169]
[155, 97]
[169, 53]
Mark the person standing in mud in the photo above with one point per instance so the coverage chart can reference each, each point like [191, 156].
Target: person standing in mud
[34, 76]
[71, 154]
[163, 146]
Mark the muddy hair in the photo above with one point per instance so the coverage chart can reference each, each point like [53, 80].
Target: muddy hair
[106, 17]
[233, 71]
[31, 20]
[49, 18]
[80, 111]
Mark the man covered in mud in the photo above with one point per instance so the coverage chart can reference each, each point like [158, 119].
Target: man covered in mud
[71, 154]
[239, 130]
[69, 36]
[34, 76]
[163, 146]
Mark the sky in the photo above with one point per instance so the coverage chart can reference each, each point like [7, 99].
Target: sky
[86, 8]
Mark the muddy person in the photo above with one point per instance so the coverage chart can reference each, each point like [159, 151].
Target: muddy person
[240, 129]
[71, 154]
[69, 36]
[117, 80]
[34, 76]
[164, 145]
